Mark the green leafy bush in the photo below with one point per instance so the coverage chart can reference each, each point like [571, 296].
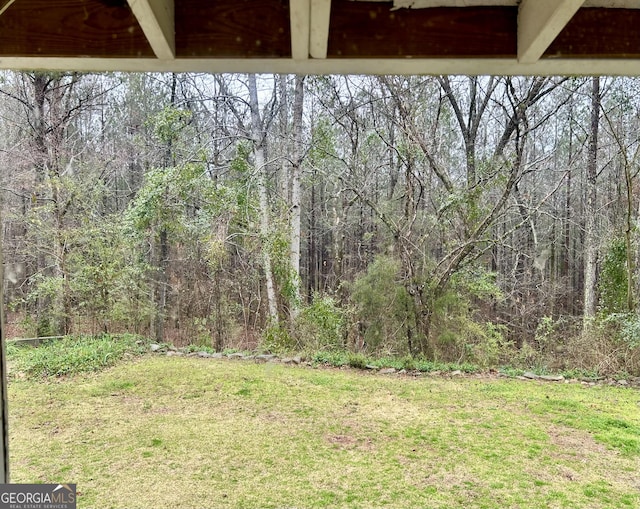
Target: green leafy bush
[336, 358]
[321, 326]
[357, 360]
[459, 333]
[612, 283]
[384, 311]
[276, 338]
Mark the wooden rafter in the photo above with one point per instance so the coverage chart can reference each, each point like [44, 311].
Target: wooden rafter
[157, 20]
[539, 23]
[300, 28]
[4, 5]
[320, 18]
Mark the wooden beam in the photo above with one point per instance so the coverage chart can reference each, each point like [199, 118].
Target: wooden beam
[599, 33]
[320, 18]
[426, 4]
[375, 30]
[379, 66]
[157, 20]
[539, 23]
[299, 15]
[233, 29]
[40, 28]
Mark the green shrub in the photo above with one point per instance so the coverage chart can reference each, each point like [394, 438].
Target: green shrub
[612, 282]
[459, 333]
[357, 360]
[276, 338]
[629, 329]
[383, 308]
[409, 363]
[336, 358]
[321, 325]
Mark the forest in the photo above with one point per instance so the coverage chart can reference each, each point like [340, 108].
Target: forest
[489, 220]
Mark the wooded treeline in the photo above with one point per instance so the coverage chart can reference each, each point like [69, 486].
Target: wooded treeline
[480, 219]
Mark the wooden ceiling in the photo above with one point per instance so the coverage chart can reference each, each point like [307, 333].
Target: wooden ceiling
[324, 36]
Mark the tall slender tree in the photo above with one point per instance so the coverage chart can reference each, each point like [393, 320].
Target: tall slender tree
[591, 209]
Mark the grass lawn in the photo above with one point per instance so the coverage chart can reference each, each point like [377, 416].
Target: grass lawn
[168, 432]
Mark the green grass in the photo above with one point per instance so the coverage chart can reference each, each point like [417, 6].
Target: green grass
[193, 433]
[73, 354]
[360, 361]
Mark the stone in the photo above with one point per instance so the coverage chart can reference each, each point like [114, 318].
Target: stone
[236, 355]
[402, 372]
[530, 376]
[457, 372]
[217, 355]
[623, 382]
[287, 360]
[204, 354]
[387, 371]
[155, 347]
[551, 378]
[265, 357]
[297, 359]
[171, 353]
[371, 366]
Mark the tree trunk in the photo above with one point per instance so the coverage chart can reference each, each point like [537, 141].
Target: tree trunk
[296, 164]
[40, 86]
[591, 233]
[161, 284]
[297, 156]
[258, 138]
[162, 262]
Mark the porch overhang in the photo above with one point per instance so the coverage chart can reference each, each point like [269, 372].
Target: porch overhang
[476, 37]
[522, 37]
